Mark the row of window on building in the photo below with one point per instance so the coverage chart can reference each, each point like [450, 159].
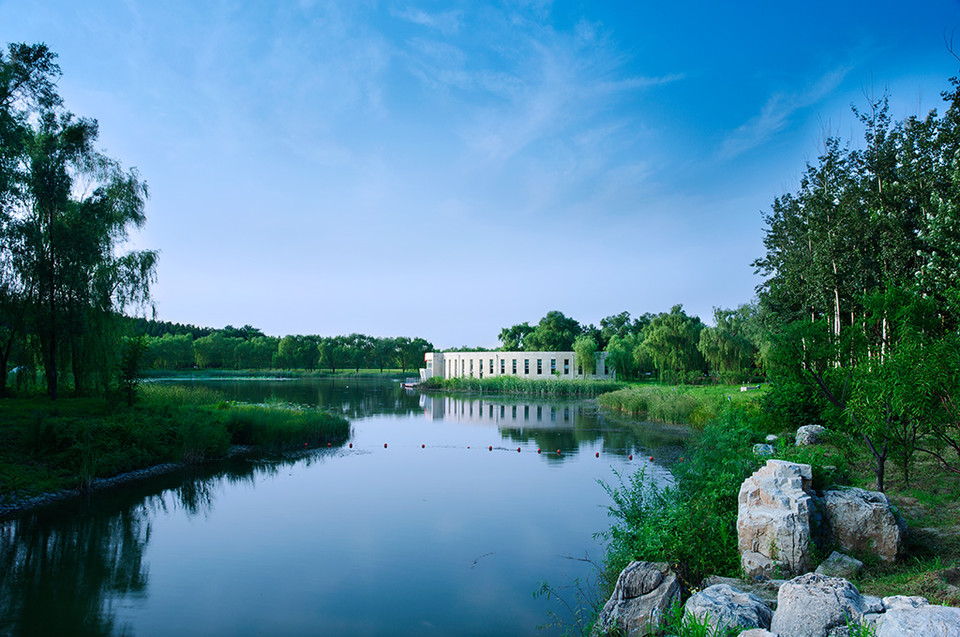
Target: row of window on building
[526, 367]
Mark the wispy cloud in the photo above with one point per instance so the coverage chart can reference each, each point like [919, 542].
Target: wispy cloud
[776, 113]
[447, 22]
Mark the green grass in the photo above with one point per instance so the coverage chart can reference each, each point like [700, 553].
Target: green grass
[524, 386]
[693, 405]
[49, 446]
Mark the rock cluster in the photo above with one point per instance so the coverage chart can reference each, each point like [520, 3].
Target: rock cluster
[810, 605]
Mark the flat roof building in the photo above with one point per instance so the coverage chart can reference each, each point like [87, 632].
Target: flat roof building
[535, 365]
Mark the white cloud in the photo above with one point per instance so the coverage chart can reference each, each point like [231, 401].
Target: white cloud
[447, 22]
[775, 114]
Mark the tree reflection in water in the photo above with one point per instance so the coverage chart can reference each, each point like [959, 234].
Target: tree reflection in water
[63, 568]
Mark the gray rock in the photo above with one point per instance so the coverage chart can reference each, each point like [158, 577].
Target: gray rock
[772, 439]
[765, 589]
[774, 510]
[816, 606]
[903, 602]
[872, 604]
[923, 621]
[644, 592]
[723, 606]
[757, 632]
[840, 565]
[810, 435]
[863, 522]
[761, 449]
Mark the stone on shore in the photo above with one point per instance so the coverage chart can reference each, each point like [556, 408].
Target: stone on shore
[840, 565]
[644, 592]
[724, 606]
[814, 605]
[773, 520]
[863, 522]
[810, 435]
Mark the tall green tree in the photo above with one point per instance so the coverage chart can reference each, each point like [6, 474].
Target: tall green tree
[554, 333]
[66, 211]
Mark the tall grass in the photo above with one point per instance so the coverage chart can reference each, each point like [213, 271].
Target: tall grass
[524, 386]
[48, 446]
[663, 404]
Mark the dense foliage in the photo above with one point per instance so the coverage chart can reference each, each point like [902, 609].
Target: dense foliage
[862, 292]
[65, 211]
[672, 346]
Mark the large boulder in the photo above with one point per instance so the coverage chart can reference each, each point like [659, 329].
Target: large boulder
[863, 522]
[644, 592]
[723, 607]
[773, 520]
[816, 606]
[810, 435]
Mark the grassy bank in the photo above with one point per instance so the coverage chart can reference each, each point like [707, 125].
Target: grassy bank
[523, 386]
[679, 404]
[47, 446]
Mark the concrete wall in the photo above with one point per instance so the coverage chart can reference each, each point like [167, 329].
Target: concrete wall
[534, 365]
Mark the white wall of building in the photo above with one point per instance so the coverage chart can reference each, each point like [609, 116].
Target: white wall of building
[534, 365]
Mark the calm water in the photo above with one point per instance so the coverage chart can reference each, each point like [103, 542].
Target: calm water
[433, 535]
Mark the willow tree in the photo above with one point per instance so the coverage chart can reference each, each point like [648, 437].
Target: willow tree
[67, 212]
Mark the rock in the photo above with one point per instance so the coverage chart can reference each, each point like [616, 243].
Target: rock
[816, 606]
[903, 602]
[863, 522]
[765, 589]
[923, 621]
[840, 565]
[810, 435]
[764, 450]
[757, 632]
[724, 606]
[773, 520]
[644, 592]
[772, 439]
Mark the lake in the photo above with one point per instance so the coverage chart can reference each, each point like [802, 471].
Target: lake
[427, 521]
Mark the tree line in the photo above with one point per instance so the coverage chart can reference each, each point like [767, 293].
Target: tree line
[672, 346]
[862, 295]
[248, 348]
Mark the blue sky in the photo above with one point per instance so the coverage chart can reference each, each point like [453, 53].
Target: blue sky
[446, 169]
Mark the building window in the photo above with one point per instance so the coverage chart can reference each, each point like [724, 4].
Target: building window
[503, 365]
[539, 366]
[553, 366]
[514, 366]
[539, 413]
[514, 410]
[471, 368]
[566, 367]
[526, 412]
[526, 366]
[491, 365]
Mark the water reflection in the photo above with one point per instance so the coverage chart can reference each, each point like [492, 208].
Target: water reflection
[63, 569]
[301, 545]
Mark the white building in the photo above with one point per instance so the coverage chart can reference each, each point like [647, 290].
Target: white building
[535, 365]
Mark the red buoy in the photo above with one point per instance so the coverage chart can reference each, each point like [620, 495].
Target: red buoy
[598, 454]
[518, 449]
[490, 447]
[538, 451]
[351, 445]
[329, 444]
[423, 446]
[651, 458]
[631, 456]
[384, 445]
[558, 452]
